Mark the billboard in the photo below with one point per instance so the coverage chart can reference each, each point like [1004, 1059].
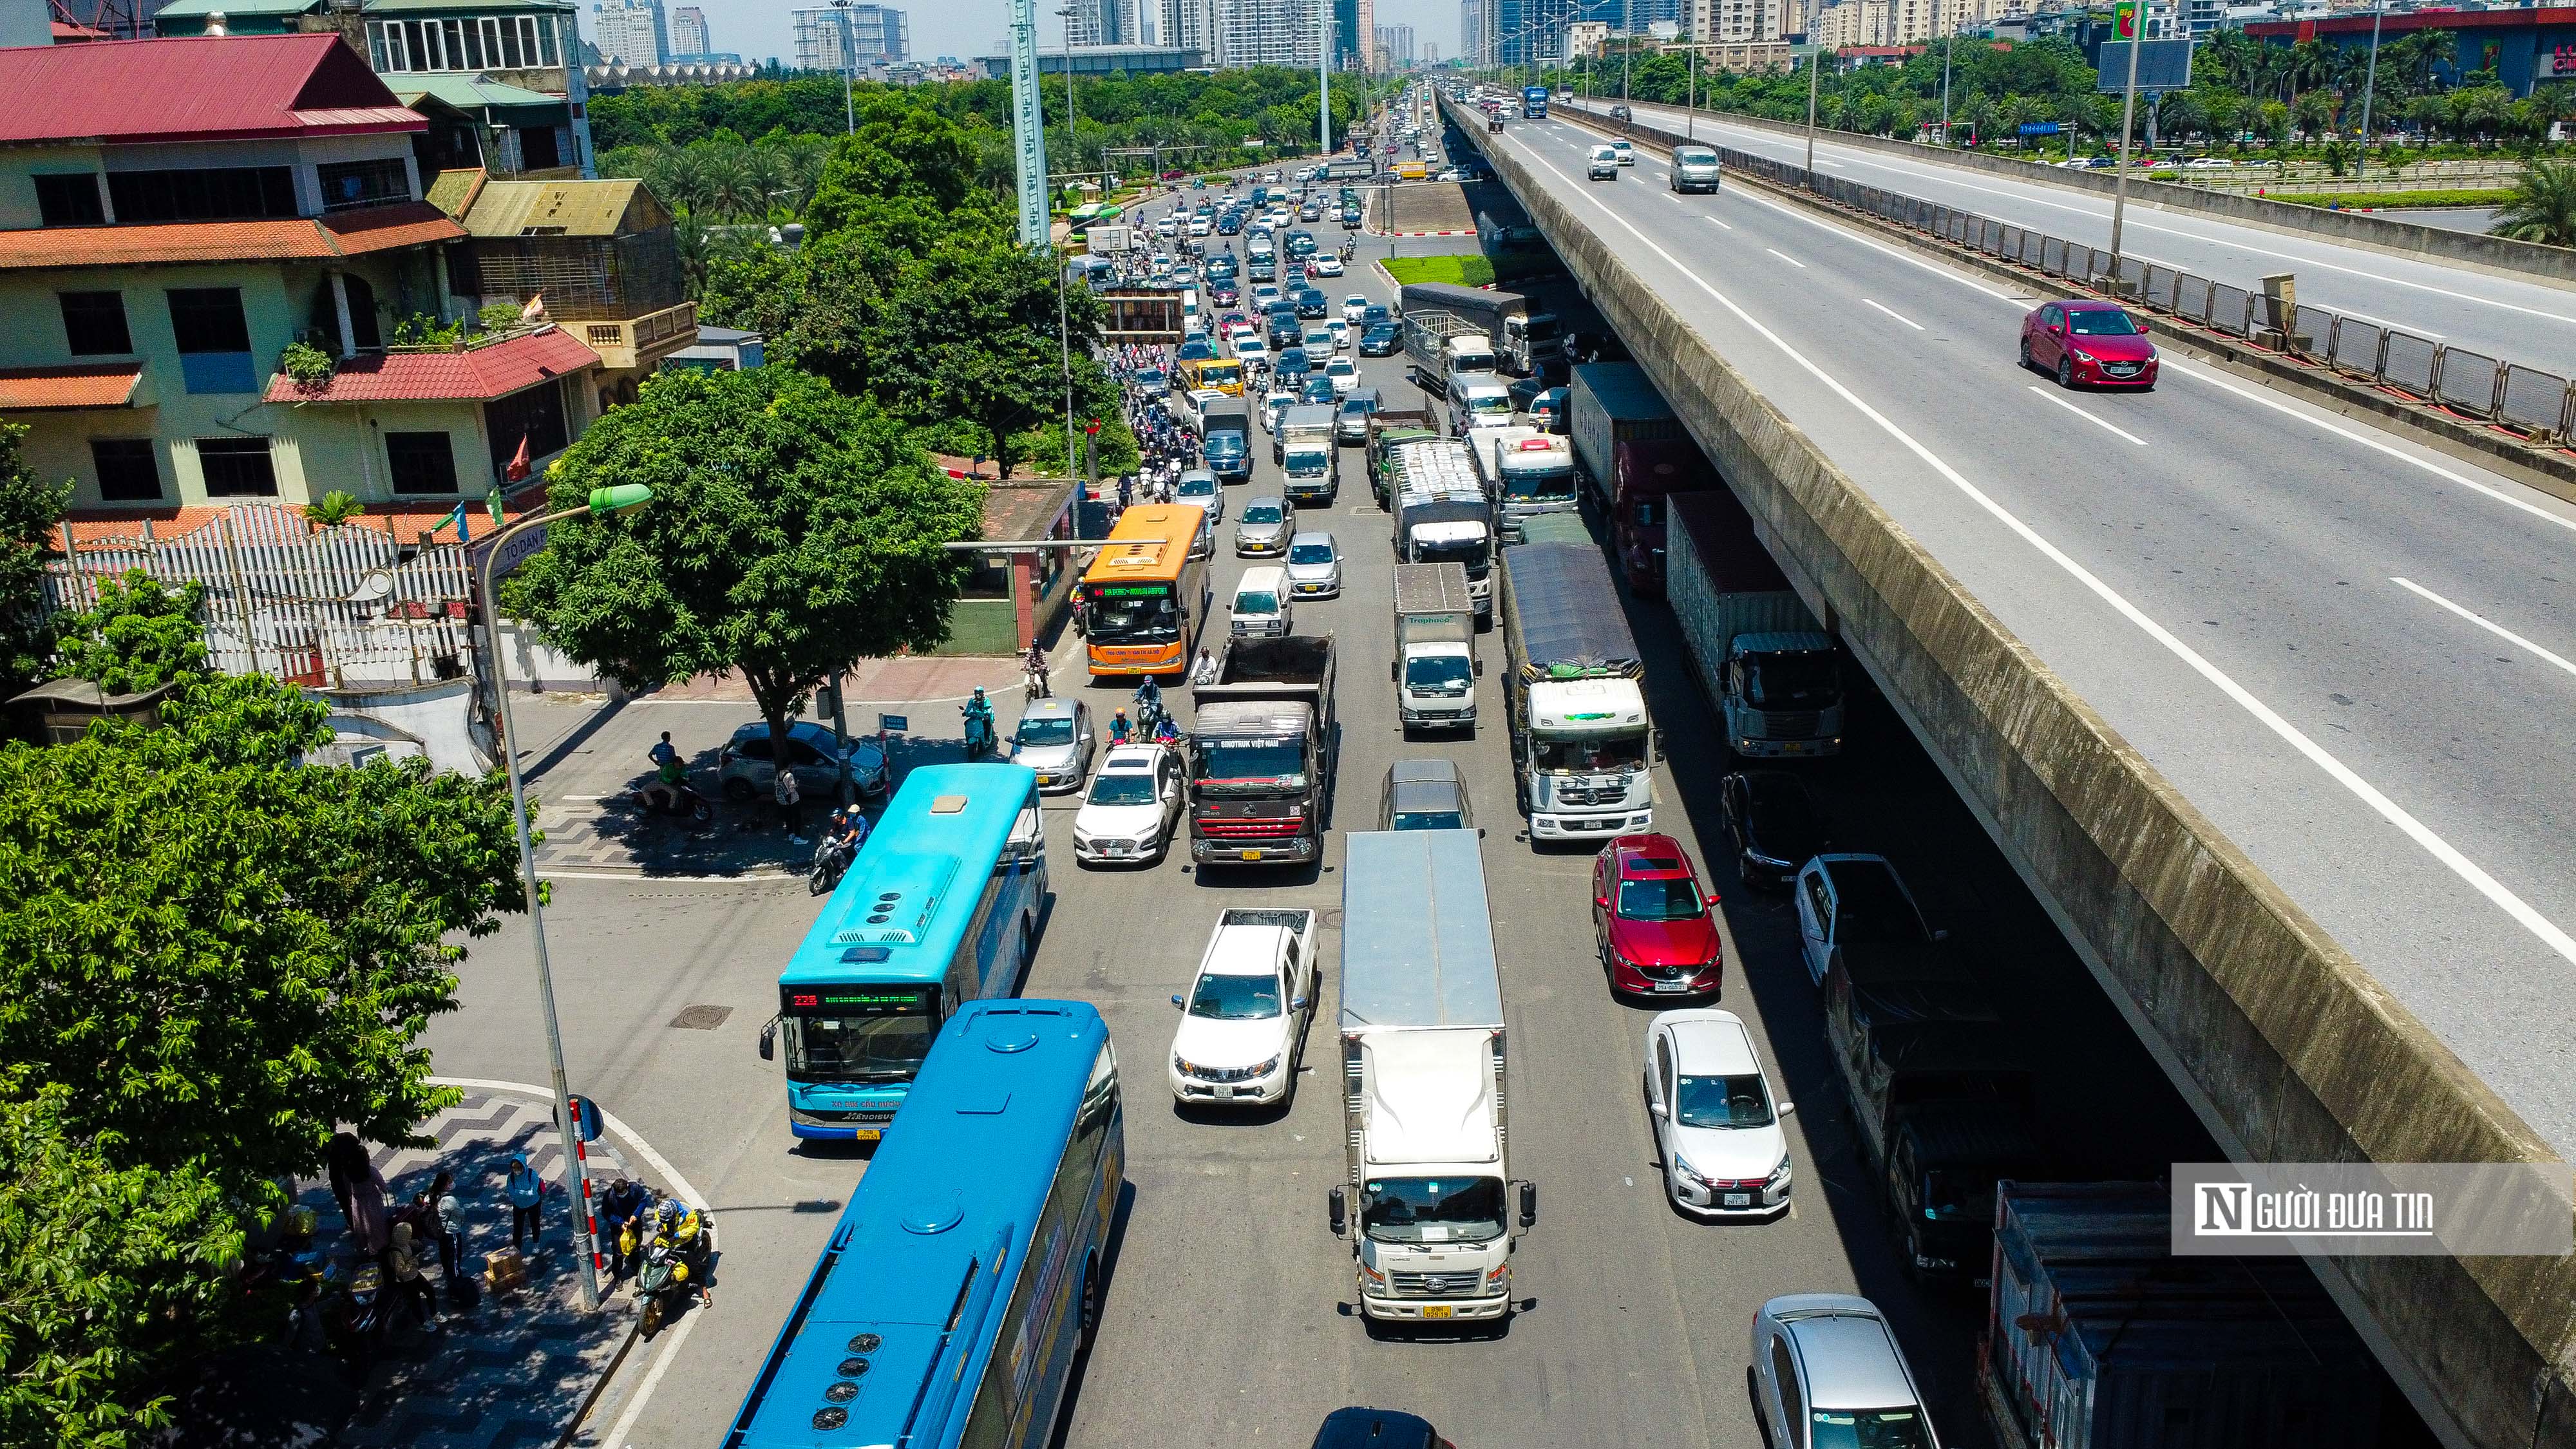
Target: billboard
[2163, 65]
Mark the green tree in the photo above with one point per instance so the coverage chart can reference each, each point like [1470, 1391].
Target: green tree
[792, 531]
[225, 954]
[114, 1272]
[2543, 206]
[2314, 112]
[31, 511]
[970, 330]
[141, 635]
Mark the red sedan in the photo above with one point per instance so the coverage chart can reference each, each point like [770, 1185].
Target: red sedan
[2089, 344]
[1657, 935]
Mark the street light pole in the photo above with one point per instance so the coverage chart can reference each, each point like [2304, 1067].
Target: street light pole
[1948, 42]
[2137, 11]
[2369, 83]
[1815, 62]
[1063, 319]
[849, 63]
[1627, 44]
[602, 501]
[1324, 75]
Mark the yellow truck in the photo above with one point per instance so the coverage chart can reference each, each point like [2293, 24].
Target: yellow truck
[1410, 171]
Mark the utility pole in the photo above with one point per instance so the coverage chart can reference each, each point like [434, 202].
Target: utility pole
[2134, 14]
[1627, 43]
[1947, 42]
[2369, 83]
[849, 62]
[1690, 98]
[1324, 74]
[1815, 63]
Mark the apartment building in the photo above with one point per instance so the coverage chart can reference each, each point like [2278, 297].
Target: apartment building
[633, 31]
[1737, 22]
[1105, 22]
[175, 214]
[835, 38]
[1397, 42]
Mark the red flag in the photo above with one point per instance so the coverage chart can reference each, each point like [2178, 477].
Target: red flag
[518, 468]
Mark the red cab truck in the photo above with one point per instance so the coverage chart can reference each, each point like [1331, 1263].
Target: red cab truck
[1631, 452]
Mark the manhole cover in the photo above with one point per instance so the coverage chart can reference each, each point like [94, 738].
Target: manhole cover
[702, 1018]
[1329, 918]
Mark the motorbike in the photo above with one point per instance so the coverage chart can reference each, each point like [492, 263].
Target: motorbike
[979, 733]
[831, 858]
[1149, 715]
[687, 804]
[677, 1241]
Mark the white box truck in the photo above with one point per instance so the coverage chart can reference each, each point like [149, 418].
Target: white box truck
[1430, 1207]
[1583, 749]
[1435, 665]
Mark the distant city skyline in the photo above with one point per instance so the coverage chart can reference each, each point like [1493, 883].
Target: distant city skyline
[763, 30]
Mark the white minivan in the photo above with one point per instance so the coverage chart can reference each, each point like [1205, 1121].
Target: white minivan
[1261, 604]
[1602, 165]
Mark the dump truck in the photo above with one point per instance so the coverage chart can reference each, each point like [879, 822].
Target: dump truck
[1261, 753]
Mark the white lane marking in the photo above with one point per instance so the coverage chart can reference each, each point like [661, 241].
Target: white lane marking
[2216, 241]
[2492, 627]
[2523, 914]
[652, 1380]
[1784, 256]
[1720, 225]
[2045, 394]
[1899, 316]
[2173, 368]
[2177, 369]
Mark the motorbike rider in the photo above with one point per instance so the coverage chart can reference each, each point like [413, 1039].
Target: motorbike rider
[1148, 699]
[1034, 666]
[1119, 729]
[1204, 672]
[667, 774]
[978, 711]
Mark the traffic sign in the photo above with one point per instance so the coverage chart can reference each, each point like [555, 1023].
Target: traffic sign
[893, 724]
[585, 1119]
[2040, 128]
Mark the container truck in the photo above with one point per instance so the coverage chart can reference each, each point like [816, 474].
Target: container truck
[1228, 440]
[1527, 471]
[1439, 344]
[1534, 102]
[1524, 340]
[1435, 665]
[1429, 1205]
[1582, 745]
[1442, 514]
[1633, 454]
[2097, 1337]
[1307, 454]
[1757, 653]
[1386, 429]
[1261, 753]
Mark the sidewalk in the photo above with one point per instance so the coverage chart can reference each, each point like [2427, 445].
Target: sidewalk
[586, 756]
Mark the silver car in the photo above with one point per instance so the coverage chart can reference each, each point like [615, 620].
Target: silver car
[1827, 1370]
[1314, 565]
[1262, 528]
[1054, 738]
[747, 773]
[1695, 168]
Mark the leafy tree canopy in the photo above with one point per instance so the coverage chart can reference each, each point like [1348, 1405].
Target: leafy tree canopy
[792, 531]
[141, 635]
[30, 510]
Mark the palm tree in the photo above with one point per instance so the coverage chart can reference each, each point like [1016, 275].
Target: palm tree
[732, 182]
[766, 171]
[2543, 206]
[677, 176]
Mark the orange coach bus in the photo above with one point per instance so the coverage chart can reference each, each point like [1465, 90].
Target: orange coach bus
[1145, 597]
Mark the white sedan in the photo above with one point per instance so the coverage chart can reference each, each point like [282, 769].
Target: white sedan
[1354, 307]
[1715, 1121]
[1134, 802]
[1249, 348]
[1324, 264]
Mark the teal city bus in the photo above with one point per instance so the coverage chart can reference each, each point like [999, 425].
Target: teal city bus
[940, 909]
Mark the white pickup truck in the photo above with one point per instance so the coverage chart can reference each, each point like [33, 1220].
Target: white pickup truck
[1243, 1020]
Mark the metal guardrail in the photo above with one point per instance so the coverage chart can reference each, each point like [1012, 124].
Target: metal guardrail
[2538, 405]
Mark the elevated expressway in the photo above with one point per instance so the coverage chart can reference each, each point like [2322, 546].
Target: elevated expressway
[2271, 708]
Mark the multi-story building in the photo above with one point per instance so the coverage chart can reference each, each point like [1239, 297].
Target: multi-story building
[1430, 53]
[689, 37]
[1737, 22]
[633, 31]
[1585, 40]
[176, 214]
[1355, 35]
[1104, 22]
[1474, 46]
[1398, 42]
[1260, 32]
[850, 37]
[506, 59]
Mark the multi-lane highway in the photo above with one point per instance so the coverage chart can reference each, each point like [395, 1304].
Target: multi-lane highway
[2351, 653]
[1227, 1319]
[2520, 321]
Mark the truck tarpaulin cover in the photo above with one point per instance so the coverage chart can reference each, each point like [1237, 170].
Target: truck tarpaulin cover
[1568, 614]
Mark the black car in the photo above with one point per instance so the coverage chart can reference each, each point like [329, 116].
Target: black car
[1375, 313]
[1229, 224]
[1381, 340]
[1377, 1429]
[1263, 268]
[1221, 267]
[1622, 113]
[1774, 824]
[1311, 303]
[1301, 243]
[1284, 330]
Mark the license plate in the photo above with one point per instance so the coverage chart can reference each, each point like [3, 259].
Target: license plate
[1437, 1310]
[1793, 748]
[1739, 1199]
[1225, 1091]
[1672, 986]
[1247, 855]
[866, 1134]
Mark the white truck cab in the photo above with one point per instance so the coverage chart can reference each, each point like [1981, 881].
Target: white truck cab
[1261, 606]
[1588, 772]
[1477, 400]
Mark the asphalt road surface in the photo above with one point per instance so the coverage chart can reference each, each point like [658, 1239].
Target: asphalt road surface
[1228, 1319]
[2350, 652]
[2504, 317]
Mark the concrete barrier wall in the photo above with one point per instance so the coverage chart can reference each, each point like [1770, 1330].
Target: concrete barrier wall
[2530, 261]
[2287, 1047]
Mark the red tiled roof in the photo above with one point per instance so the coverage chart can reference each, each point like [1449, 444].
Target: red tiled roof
[340, 234]
[477, 375]
[200, 88]
[89, 385]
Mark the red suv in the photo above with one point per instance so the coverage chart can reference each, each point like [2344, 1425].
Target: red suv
[2088, 344]
[1657, 935]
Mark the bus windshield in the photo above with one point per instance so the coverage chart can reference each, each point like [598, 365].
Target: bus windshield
[1130, 616]
[871, 1035]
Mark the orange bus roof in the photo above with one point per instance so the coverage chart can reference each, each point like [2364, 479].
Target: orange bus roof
[1151, 541]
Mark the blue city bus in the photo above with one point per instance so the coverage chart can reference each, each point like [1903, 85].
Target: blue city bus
[965, 1275]
[940, 909]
